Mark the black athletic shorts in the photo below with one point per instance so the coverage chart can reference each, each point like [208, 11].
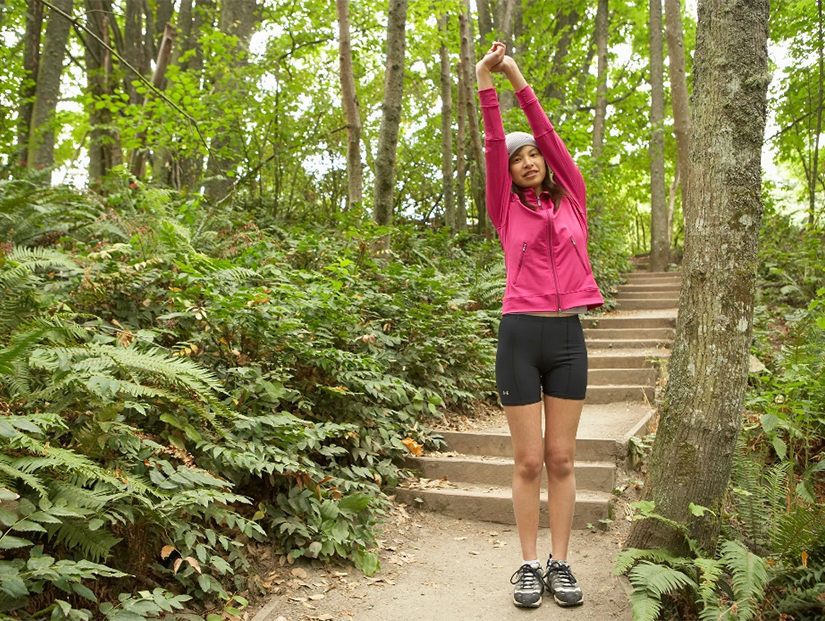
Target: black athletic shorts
[538, 354]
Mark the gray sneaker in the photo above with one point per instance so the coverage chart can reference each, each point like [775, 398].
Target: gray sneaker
[560, 582]
[529, 586]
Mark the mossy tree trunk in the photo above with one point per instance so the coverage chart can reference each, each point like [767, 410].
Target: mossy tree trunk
[702, 407]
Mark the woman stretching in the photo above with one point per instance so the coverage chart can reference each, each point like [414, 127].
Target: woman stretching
[536, 201]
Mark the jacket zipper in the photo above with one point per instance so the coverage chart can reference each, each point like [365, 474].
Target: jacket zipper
[552, 259]
[576, 249]
[520, 262]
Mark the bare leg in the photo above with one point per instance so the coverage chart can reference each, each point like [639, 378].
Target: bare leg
[528, 454]
[561, 424]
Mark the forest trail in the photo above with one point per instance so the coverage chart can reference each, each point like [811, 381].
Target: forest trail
[451, 556]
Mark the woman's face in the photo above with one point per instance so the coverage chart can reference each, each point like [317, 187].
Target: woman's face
[528, 168]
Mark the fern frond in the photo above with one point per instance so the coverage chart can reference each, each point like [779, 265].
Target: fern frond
[659, 580]
[628, 558]
[10, 473]
[645, 607]
[94, 544]
[749, 575]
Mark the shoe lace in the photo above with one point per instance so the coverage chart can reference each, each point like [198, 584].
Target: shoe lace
[562, 573]
[528, 577]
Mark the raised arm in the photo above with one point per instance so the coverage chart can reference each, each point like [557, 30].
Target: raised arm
[495, 151]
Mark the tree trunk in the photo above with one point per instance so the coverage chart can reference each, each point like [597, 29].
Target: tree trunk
[164, 55]
[602, 28]
[461, 154]
[659, 235]
[355, 172]
[473, 127]
[702, 408]
[104, 141]
[28, 88]
[485, 23]
[42, 134]
[391, 113]
[818, 131]
[446, 125]
[237, 19]
[505, 18]
[565, 24]
[133, 46]
[678, 92]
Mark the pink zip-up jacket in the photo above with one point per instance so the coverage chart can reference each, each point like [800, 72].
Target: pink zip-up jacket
[545, 249]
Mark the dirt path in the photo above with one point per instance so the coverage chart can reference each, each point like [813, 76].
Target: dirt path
[436, 568]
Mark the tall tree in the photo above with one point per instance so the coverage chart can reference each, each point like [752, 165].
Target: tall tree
[104, 140]
[355, 173]
[473, 126]
[659, 235]
[446, 124]
[678, 91]
[237, 19]
[701, 411]
[28, 86]
[461, 150]
[49, 74]
[134, 50]
[391, 112]
[600, 116]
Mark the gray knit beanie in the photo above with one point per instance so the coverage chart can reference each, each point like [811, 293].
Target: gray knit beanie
[517, 140]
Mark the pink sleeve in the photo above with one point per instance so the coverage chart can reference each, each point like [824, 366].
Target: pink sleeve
[565, 171]
[495, 156]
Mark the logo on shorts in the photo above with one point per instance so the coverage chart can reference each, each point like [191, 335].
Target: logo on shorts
[506, 393]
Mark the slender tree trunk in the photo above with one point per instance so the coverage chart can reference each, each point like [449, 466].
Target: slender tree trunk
[237, 19]
[659, 237]
[818, 131]
[678, 92]
[28, 87]
[391, 113]
[505, 21]
[42, 134]
[446, 124]
[461, 153]
[164, 55]
[104, 141]
[473, 127]
[133, 46]
[565, 25]
[485, 23]
[355, 172]
[602, 28]
[702, 408]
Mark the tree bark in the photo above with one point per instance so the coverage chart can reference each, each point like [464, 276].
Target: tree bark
[602, 29]
[446, 125]
[473, 127]
[50, 71]
[28, 85]
[237, 19]
[355, 171]
[461, 153]
[565, 24]
[818, 130]
[104, 141]
[678, 92]
[391, 113]
[659, 235]
[133, 46]
[485, 23]
[702, 408]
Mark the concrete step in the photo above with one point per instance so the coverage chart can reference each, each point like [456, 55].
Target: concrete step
[632, 276]
[498, 444]
[648, 295]
[628, 334]
[642, 286]
[627, 344]
[620, 393]
[626, 359]
[495, 504]
[498, 471]
[611, 377]
[636, 304]
[628, 321]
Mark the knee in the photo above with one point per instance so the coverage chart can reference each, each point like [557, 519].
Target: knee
[529, 468]
[559, 464]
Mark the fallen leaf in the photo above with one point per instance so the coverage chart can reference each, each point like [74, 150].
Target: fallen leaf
[299, 573]
[413, 447]
[166, 551]
[317, 596]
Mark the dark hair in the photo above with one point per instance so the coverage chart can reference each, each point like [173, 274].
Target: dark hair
[549, 184]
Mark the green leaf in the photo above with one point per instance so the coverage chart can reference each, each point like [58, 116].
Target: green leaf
[354, 503]
[366, 562]
[84, 591]
[10, 543]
